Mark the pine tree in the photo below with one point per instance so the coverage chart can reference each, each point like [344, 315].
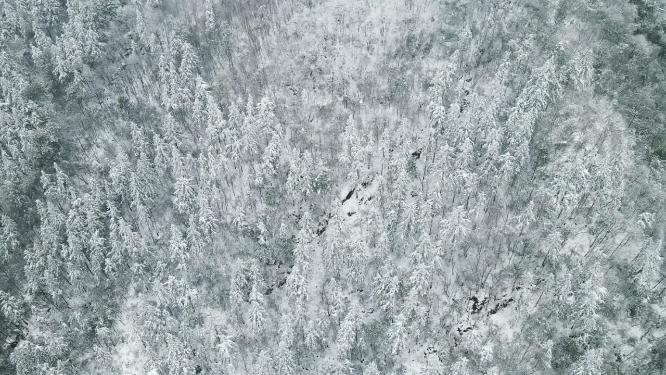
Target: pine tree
[226, 347]
[346, 338]
[116, 256]
[264, 364]
[98, 255]
[649, 264]
[9, 243]
[119, 174]
[206, 219]
[270, 160]
[284, 360]
[210, 16]
[74, 251]
[313, 335]
[187, 72]
[300, 181]
[162, 154]
[183, 197]
[397, 334]
[256, 314]
[178, 248]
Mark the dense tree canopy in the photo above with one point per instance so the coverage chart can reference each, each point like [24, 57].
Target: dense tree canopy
[332, 186]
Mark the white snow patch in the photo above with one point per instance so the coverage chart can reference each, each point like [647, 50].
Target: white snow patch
[505, 320]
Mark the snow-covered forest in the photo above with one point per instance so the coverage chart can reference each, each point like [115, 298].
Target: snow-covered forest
[286, 187]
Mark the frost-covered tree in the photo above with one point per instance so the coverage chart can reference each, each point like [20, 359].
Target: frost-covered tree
[331, 187]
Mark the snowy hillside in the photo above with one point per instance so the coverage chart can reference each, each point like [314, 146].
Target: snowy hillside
[332, 187]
